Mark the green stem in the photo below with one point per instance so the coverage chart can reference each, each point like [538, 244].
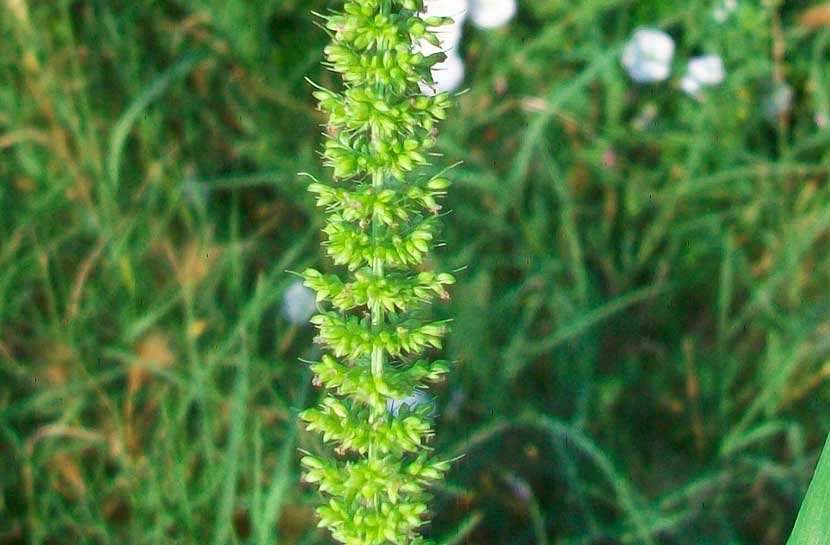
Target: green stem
[377, 264]
[377, 317]
[376, 311]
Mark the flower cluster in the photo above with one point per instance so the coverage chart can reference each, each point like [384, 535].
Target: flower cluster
[381, 224]
[647, 57]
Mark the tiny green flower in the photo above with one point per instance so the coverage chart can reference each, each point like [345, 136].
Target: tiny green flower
[382, 222]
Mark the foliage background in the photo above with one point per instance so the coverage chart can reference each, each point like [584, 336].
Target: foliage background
[641, 332]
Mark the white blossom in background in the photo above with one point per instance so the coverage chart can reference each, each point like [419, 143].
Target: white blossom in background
[690, 86]
[648, 54]
[298, 303]
[724, 9]
[779, 102]
[449, 35]
[415, 400]
[448, 74]
[489, 14]
[704, 71]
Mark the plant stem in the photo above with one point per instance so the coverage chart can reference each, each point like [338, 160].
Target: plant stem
[376, 311]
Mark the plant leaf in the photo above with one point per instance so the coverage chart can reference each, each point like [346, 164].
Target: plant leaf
[812, 527]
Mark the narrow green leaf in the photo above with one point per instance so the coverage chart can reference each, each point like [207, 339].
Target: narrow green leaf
[812, 527]
[129, 117]
[224, 508]
[268, 514]
[464, 529]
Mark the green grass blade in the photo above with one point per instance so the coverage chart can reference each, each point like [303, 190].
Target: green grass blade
[812, 527]
[634, 506]
[580, 325]
[283, 476]
[463, 530]
[122, 128]
[224, 509]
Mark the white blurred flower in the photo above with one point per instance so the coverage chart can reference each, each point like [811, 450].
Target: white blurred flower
[779, 102]
[448, 76]
[690, 85]
[426, 49]
[822, 120]
[724, 9]
[648, 54]
[415, 400]
[298, 303]
[489, 14]
[704, 71]
[448, 35]
[708, 70]
[448, 43]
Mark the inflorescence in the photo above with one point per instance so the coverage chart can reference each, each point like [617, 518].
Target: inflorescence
[381, 224]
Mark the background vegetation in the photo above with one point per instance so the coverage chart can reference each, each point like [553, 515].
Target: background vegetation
[641, 332]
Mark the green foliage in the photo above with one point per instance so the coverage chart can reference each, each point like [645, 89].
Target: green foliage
[812, 527]
[639, 345]
[381, 226]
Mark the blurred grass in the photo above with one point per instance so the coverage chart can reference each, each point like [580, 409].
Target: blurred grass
[641, 332]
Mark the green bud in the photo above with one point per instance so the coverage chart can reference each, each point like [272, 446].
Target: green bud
[438, 184]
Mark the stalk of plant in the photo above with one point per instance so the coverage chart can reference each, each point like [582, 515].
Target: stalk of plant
[381, 224]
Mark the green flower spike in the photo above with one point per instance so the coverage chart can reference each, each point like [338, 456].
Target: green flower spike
[381, 223]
